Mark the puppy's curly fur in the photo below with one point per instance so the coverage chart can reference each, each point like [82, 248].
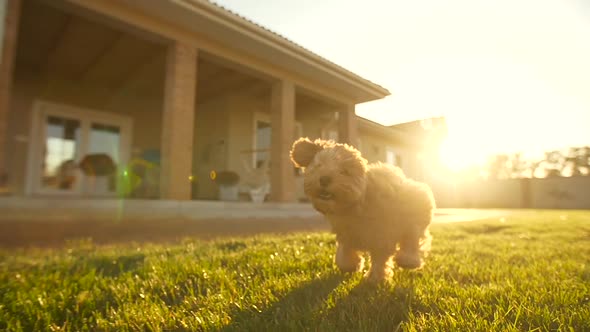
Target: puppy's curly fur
[372, 208]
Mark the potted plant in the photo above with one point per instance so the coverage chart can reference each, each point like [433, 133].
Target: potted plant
[228, 185]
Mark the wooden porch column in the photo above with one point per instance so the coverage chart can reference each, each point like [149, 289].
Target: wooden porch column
[348, 126]
[282, 177]
[7, 58]
[178, 122]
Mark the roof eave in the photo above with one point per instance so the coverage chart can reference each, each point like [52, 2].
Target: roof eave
[288, 46]
[353, 86]
[386, 132]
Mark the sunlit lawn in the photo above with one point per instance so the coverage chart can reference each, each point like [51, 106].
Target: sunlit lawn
[529, 271]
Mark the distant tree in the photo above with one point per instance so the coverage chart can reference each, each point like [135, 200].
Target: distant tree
[519, 167]
[536, 169]
[554, 163]
[577, 161]
[497, 167]
[508, 166]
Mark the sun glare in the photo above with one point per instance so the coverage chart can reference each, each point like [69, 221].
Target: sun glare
[458, 153]
[452, 157]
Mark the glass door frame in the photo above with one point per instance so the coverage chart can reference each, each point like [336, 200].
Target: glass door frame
[41, 111]
[265, 118]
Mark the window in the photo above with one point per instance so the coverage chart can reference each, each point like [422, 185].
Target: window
[333, 135]
[330, 133]
[263, 138]
[79, 151]
[391, 157]
[62, 140]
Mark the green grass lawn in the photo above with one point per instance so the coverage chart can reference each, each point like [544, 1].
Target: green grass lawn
[529, 271]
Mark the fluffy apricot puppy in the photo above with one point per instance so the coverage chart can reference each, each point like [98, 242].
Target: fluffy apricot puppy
[372, 208]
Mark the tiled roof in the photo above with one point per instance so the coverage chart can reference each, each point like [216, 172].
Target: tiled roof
[245, 19]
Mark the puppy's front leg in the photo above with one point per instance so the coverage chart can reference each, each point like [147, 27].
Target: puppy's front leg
[381, 266]
[348, 259]
[408, 256]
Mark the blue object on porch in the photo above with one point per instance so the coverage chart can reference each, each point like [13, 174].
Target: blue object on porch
[151, 155]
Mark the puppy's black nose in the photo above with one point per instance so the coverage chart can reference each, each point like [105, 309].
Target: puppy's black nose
[325, 180]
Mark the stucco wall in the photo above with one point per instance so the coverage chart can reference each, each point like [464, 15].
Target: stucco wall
[561, 193]
[493, 194]
[243, 110]
[211, 145]
[241, 130]
[549, 193]
[372, 147]
[3, 4]
[313, 120]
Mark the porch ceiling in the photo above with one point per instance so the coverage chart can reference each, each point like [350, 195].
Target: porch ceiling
[62, 46]
[252, 41]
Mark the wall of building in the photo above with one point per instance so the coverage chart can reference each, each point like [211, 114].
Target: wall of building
[314, 120]
[211, 145]
[3, 5]
[19, 130]
[242, 111]
[223, 132]
[374, 148]
[413, 165]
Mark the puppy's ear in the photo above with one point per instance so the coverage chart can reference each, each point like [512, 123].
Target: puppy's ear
[303, 151]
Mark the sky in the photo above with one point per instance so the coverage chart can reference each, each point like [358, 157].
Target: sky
[508, 75]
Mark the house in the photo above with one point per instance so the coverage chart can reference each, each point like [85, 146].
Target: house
[154, 98]
[402, 145]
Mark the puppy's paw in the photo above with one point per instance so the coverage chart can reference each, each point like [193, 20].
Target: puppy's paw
[408, 260]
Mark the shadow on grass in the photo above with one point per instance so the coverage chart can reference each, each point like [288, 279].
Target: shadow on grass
[375, 307]
[322, 305]
[292, 312]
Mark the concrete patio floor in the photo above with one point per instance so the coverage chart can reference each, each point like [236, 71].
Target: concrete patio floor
[50, 223]
[113, 210]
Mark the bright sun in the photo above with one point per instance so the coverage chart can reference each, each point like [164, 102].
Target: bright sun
[450, 156]
[467, 144]
[457, 155]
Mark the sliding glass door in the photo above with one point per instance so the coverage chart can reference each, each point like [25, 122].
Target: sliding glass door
[78, 152]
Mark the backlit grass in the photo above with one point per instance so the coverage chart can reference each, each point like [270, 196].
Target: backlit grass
[528, 271]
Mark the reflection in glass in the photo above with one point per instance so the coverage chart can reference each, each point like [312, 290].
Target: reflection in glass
[263, 136]
[100, 163]
[62, 139]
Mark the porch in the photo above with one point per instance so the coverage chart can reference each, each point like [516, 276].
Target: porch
[167, 112]
[48, 210]
[54, 222]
